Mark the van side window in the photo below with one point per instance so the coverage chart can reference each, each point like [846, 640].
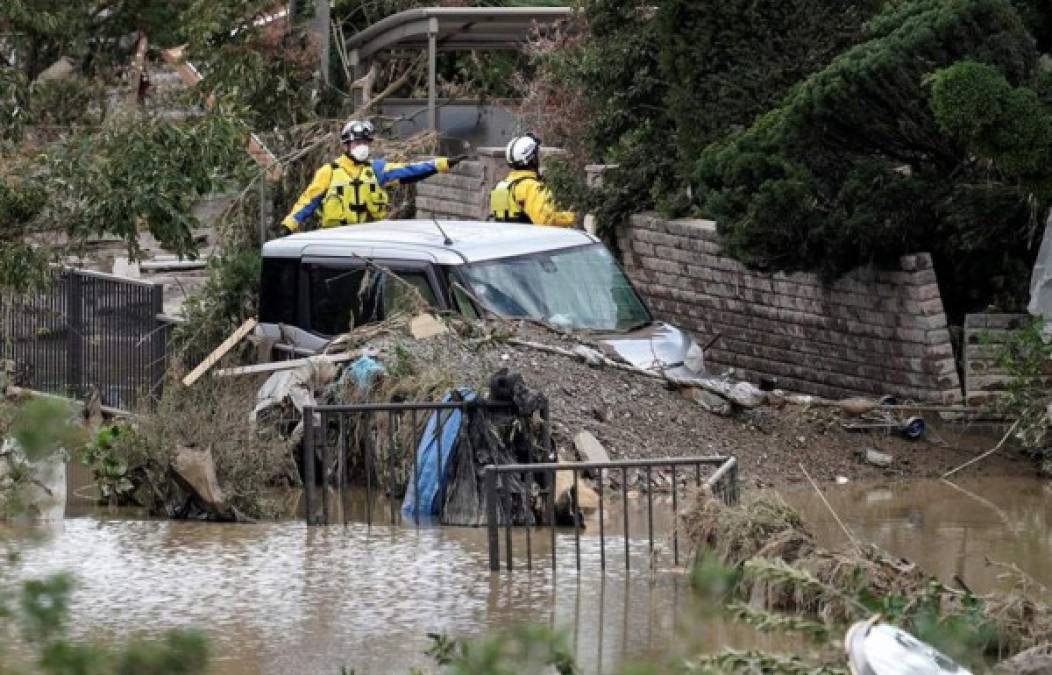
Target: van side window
[403, 290]
[278, 290]
[336, 299]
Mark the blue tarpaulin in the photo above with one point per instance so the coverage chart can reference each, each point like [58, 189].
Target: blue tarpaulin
[433, 455]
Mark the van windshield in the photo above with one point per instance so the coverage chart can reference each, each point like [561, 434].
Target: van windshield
[578, 288]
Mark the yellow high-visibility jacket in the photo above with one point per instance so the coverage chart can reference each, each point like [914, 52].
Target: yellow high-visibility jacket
[350, 192]
[523, 198]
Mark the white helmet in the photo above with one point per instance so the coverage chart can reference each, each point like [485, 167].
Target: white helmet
[522, 151]
[357, 131]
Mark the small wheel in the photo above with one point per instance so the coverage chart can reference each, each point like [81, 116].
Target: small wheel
[888, 399]
[913, 428]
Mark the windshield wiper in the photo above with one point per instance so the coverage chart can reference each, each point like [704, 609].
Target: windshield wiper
[636, 326]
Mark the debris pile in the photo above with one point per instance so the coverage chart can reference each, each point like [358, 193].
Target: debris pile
[782, 572]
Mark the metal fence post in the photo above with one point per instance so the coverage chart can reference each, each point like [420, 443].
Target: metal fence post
[158, 342]
[489, 477]
[75, 331]
[308, 463]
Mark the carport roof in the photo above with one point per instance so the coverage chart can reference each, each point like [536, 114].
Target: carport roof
[455, 28]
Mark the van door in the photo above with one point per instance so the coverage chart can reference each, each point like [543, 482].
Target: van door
[407, 287]
[335, 296]
[339, 294]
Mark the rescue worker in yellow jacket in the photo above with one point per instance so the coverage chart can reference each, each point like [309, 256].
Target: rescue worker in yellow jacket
[350, 190]
[522, 196]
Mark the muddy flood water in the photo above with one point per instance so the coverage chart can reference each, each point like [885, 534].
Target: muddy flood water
[283, 598]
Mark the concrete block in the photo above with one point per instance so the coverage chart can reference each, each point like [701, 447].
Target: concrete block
[922, 293]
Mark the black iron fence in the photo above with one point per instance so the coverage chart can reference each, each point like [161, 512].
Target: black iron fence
[377, 445]
[682, 471]
[85, 329]
[384, 448]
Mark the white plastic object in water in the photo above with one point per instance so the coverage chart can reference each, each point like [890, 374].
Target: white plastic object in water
[882, 649]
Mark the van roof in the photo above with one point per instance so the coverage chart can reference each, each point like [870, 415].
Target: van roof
[421, 240]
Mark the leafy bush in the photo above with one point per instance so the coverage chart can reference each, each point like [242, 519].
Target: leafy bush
[852, 166]
[13, 107]
[145, 172]
[228, 297]
[1026, 360]
[527, 649]
[726, 61]
[64, 102]
[601, 89]
[108, 467]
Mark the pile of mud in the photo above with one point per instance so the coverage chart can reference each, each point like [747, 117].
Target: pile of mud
[635, 416]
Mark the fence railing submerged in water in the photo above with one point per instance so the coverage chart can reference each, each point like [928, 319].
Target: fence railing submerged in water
[83, 329]
[382, 439]
[723, 483]
[385, 440]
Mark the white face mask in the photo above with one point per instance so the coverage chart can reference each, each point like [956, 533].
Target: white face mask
[360, 153]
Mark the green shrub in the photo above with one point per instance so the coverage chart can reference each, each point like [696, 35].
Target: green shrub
[852, 167]
[64, 102]
[228, 297]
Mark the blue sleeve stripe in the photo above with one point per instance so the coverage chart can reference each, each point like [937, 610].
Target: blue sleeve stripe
[305, 213]
[409, 173]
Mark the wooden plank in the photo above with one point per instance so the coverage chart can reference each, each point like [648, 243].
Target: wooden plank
[16, 392]
[219, 352]
[276, 366]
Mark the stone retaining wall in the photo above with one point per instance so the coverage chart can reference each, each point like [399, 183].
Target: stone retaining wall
[984, 337]
[463, 194]
[457, 195]
[870, 332]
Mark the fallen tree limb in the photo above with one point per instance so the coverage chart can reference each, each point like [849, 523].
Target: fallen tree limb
[276, 366]
[741, 393]
[1004, 439]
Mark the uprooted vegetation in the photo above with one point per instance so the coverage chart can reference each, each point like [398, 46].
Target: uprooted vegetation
[772, 574]
[209, 420]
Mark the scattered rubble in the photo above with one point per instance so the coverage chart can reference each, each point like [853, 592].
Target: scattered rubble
[631, 413]
[876, 458]
[589, 449]
[196, 472]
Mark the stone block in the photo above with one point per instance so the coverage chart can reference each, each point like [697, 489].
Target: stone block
[922, 278]
[641, 247]
[451, 209]
[922, 293]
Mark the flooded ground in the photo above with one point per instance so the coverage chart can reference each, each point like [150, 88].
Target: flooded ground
[947, 528]
[283, 598]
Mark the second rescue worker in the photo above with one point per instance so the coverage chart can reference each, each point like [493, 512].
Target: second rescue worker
[522, 196]
[350, 190]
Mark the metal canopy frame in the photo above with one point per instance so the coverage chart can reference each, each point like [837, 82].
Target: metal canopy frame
[448, 29]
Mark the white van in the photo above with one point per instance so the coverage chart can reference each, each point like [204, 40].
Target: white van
[319, 284]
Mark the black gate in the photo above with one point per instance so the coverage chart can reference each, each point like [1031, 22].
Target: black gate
[83, 330]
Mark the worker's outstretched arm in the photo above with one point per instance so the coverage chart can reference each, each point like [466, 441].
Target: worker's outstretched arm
[309, 201]
[395, 173]
[540, 207]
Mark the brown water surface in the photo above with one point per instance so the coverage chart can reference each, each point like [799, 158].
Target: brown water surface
[282, 598]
